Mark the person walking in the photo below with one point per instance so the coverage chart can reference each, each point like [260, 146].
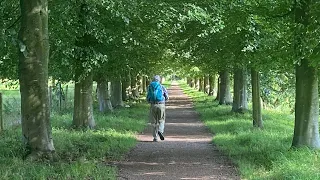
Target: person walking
[157, 95]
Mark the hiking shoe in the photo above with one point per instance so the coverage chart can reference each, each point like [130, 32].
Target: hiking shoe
[155, 140]
[161, 135]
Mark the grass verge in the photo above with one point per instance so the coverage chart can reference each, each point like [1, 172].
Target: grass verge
[259, 154]
[80, 154]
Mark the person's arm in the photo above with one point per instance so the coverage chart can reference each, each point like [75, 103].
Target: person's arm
[165, 93]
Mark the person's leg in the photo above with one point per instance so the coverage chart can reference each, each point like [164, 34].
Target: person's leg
[161, 117]
[155, 122]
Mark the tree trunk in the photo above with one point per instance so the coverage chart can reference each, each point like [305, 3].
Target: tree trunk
[306, 127]
[134, 87]
[196, 83]
[256, 103]
[189, 81]
[77, 104]
[116, 90]
[139, 84]
[206, 84]
[1, 118]
[211, 84]
[103, 96]
[125, 89]
[218, 88]
[144, 84]
[240, 102]
[83, 104]
[192, 83]
[201, 83]
[33, 77]
[225, 94]
[87, 102]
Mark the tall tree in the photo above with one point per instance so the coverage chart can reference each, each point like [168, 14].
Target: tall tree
[306, 128]
[33, 77]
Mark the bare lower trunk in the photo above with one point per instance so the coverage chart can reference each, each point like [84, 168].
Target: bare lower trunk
[225, 94]
[201, 84]
[125, 90]
[211, 84]
[218, 88]
[87, 103]
[256, 103]
[306, 127]
[116, 90]
[240, 103]
[192, 84]
[206, 84]
[33, 77]
[1, 119]
[196, 83]
[103, 96]
[144, 84]
[134, 87]
[83, 104]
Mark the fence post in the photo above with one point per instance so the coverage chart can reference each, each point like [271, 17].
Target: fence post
[1, 118]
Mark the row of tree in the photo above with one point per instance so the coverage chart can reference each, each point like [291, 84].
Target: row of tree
[118, 41]
[278, 38]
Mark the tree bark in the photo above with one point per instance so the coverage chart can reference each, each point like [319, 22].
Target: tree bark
[1, 118]
[125, 89]
[306, 127]
[196, 83]
[211, 84]
[206, 84]
[33, 77]
[240, 102]
[134, 87]
[116, 90]
[87, 118]
[218, 88]
[103, 96]
[201, 84]
[256, 103]
[192, 83]
[144, 84]
[83, 104]
[225, 94]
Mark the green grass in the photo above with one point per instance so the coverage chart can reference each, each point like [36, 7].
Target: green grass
[258, 154]
[79, 154]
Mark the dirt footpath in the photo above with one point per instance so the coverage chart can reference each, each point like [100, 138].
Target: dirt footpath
[186, 153]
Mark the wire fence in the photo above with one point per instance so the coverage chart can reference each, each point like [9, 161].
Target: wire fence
[60, 99]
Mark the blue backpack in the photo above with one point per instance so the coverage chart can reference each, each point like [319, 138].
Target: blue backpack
[155, 93]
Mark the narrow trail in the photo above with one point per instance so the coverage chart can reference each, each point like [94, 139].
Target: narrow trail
[186, 153]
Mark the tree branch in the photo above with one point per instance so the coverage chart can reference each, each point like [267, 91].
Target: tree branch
[14, 23]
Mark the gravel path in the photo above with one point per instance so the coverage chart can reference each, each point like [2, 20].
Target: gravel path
[186, 153]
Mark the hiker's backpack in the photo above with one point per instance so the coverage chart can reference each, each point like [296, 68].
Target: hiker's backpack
[155, 92]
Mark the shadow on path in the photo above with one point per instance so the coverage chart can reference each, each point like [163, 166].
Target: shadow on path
[186, 153]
